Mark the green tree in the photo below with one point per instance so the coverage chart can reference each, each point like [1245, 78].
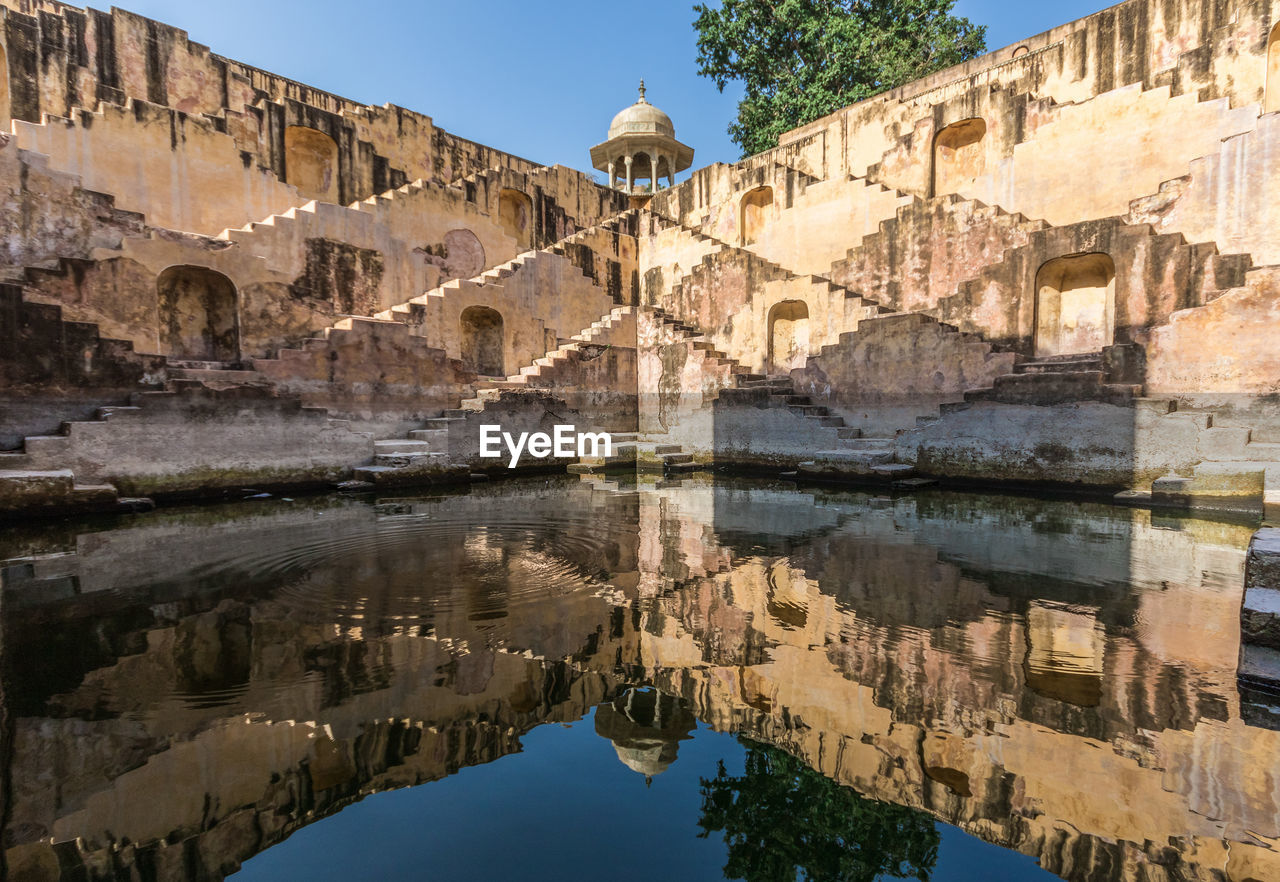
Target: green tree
[802, 59]
[783, 821]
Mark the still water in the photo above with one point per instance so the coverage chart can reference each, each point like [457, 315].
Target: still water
[581, 679]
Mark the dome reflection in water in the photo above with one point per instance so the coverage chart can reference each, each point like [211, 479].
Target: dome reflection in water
[797, 682]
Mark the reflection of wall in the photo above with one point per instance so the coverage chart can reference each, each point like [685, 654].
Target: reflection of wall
[897, 647]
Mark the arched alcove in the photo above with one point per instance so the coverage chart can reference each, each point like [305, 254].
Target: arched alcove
[311, 163]
[1271, 99]
[198, 316]
[959, 156]
[4, 91]
[755, 213]
[515, 213]
[482, 341]
[1075, 304]
[788, 336]
[463, 254]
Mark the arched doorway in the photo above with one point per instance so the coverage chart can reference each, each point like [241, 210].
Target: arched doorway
[482, 341]
[515, 213]
[755, 213]
[198, 317]
[1271, 98]
[1075, 302]
[788, 336]
[959, 156]
[311, 163]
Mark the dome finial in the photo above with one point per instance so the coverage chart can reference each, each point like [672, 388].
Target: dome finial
[642, 101]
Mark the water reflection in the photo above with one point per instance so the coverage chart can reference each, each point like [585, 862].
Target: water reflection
[186, 689]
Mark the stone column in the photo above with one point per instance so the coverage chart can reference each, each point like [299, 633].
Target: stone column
[612, 177]
[653, 170]
[627, 160]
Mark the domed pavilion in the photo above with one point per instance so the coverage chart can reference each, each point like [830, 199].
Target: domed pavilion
[642, 146]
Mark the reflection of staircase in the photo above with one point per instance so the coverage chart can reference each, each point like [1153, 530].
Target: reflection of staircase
[631, 452]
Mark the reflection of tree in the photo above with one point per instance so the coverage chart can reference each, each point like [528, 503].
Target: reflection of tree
[784, 821]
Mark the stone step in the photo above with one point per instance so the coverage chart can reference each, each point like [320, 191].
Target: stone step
[430, 435]
[46, 445]
[1065, 365]
[867, 443]
[401, 446]
[671, 459]
[233, 377]
[847, 432]
[844, 455]
[430, 471]
[808, 409]
[56, 489]
[401, 460]
[828, 422]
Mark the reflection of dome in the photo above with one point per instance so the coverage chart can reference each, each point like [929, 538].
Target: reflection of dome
[641, 118]
[646, 728]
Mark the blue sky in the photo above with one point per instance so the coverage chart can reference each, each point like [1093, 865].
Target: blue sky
[541, 80]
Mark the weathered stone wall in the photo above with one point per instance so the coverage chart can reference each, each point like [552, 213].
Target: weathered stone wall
[678, 379]
[377, 374]
[53, 370]
[62, 59]
[198, 440]
[1176, 78]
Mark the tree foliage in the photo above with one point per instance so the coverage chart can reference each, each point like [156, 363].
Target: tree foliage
[803, 59]
[783, 821]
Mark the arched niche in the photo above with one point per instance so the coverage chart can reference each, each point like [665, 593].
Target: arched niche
[4, 91]
[788, 336]
[311, 163]
[198, 315]
[959, 156]
[755, 213]
[482, 341]
[463, 254]
[1271, 99]
[1075, 304]
[515, 213]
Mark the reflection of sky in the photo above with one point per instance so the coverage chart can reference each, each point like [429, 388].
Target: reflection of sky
[563, 809]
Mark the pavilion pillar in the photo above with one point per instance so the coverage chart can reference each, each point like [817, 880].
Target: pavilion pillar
[613, 178]
[627, 160]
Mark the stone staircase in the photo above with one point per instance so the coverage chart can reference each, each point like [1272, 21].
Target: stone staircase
[424, 313]
[851, 454]
[1060, 378]
[615, 328]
